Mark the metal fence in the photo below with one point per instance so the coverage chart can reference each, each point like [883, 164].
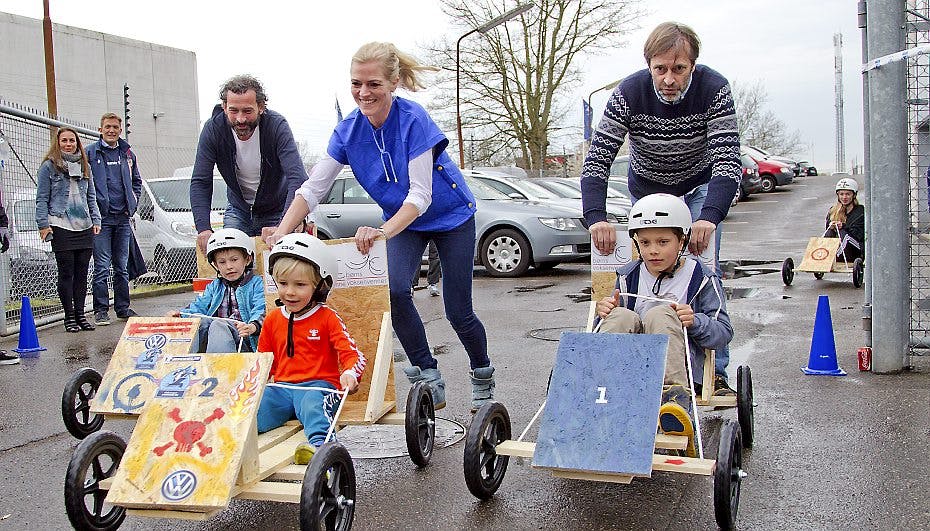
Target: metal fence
[917, 17]
[163, 223]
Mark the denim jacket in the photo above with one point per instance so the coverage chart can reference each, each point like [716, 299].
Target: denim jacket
[52, 195]
[250, 297]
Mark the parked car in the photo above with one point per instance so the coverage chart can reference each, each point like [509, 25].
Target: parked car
[511, 235]
[164, 224]
[529, 190]
[571, 187]
[761, 154]
[30, 257]
[807, 168]
[773, 173]
[751, 181]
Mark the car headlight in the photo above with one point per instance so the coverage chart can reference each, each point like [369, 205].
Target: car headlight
[184, 229]
[786, 169]
[560, 223]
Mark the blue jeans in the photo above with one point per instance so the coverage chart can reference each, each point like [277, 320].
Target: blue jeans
[314, 409]
[695, 201]
[220, 336]
[111, 249]
[457, 254]
[235, 218]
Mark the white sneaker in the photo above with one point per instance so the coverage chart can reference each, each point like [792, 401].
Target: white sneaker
[8, 359]
[433, 290]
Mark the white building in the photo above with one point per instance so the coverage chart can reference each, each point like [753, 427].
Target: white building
[91, 69]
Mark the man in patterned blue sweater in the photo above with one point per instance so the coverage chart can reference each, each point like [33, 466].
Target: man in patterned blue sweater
[684, 141]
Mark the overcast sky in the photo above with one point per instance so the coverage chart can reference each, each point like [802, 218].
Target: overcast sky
[301, 51]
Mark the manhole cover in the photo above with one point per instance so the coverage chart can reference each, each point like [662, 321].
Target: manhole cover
[552, 334]
[378, 441]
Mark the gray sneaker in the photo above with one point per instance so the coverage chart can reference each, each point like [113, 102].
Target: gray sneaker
[433, 378]
[8, 359]
[433, 290]
[482, 387]
[102, 318]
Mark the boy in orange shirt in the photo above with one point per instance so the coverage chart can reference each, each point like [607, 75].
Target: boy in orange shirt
[311, 345]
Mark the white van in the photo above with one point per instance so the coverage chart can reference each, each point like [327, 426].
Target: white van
[30, 257]
[164, 224]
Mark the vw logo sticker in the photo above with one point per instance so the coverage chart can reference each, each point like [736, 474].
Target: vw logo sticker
[156, 341]
[178, 485]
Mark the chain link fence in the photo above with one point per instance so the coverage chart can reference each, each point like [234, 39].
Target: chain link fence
[917, 16]
[163, 223]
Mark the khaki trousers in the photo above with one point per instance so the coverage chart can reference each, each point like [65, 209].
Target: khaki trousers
[659, 320]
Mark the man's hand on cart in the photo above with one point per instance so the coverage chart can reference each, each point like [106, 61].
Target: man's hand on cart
[349, 381]
[607, 304]
[604, 236]
[685, 314]
[701, 233]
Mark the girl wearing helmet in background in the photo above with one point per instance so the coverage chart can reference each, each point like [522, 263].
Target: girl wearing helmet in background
[660, 225]
[235, 295]
[310, 343]
[846, 221]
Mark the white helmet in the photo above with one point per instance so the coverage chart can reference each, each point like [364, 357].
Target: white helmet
[230, 239]
[847, 184]
[310, 249]
[660, 210]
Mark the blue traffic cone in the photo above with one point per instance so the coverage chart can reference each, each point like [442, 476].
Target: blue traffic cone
[823, 346]
[28, 338]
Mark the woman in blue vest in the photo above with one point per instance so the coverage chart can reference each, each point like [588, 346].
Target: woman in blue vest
[397, 153]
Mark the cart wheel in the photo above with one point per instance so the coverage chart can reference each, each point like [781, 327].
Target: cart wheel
[744, 404]
[96, 458]
[858, 270]
[484, 469]
[728, 475]
[787, 271]
[75, 403]
[327, 498]
[420, 424]
[818, 276]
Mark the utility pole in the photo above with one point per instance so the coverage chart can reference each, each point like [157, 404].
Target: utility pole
[50, 91]
[838, 96]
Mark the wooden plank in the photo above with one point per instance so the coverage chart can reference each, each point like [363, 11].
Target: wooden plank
[177, 515]
[186, 450]
[270, 438]
[278, 456]
[685, 465]
[248, 470]
[272, 491]
[718, 401]
[516, 448]
[394, 419]
[671, 442]
[593, 476]
[707, 391]
[819, 255]
[140, 360]
[603, 403]
[289, 473]
[353, 413]
[592, 314]
[380, 370]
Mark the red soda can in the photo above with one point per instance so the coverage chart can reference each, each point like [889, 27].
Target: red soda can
[865, 358]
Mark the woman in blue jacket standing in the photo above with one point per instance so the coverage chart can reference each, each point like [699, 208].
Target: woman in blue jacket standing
[397, 153]
[67, 214]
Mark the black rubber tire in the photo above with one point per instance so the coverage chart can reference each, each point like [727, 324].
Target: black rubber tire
[727, 475]
[745, 405]
[858, 272]
[768, 183]
[79, 485]
[818, 276]
[327, 497]
[506, 253]
[484, 469]
[420, 424]
[75, 403]
[787, 271]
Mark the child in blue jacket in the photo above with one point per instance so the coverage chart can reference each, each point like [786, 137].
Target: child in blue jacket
[690, 298]
[236, 298]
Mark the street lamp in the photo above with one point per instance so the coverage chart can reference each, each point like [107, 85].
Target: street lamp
[482, 29]
[611, 85]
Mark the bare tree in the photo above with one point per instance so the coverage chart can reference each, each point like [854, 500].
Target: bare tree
[514, 78]
[307, 156]
[759, 126]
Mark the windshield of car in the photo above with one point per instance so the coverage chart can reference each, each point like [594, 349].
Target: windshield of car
[620, 167]
[536, 191]
[747, 161]
[175, 195]
[619, 185]
[483, 191]
[561, 189]
[755, 153]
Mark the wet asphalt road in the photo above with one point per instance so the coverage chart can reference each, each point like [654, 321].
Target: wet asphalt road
[830, 453]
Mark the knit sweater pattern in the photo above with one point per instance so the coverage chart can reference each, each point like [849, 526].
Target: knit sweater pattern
[673, 147]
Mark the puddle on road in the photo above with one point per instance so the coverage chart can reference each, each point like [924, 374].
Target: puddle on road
[527, 289]
[740, 293]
